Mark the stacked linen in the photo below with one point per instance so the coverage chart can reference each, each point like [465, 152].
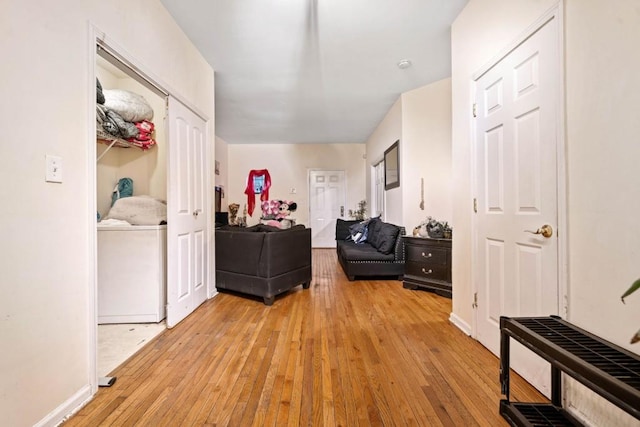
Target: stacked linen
[125, 115]
[144, 138]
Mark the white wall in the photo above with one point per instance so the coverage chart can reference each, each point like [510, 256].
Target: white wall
[426, 140]
[288, 166]
[388, 131]
[603, 148]
[222, 180]
[47, 98]
[421, 120]
[602, 81]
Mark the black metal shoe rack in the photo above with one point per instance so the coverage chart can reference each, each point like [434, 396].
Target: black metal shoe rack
[605, 368]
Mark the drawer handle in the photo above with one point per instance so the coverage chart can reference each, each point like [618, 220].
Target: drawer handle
[429, 271]
[427, 255]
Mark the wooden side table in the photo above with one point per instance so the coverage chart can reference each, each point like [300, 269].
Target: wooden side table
[427, 264]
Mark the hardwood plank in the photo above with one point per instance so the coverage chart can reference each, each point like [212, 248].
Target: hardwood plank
[361, 353]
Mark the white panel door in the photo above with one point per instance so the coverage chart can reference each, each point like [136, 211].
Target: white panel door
[326, 204]
[516, 176]
[187, 213]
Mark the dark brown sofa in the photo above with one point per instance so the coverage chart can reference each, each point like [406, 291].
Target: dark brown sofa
[261, 260]
[381, 255]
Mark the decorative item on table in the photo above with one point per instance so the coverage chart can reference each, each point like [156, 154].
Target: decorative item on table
[360, 213]
[433, 228]
[233, 214]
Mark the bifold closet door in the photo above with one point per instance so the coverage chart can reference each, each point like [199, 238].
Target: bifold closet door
[187, 212]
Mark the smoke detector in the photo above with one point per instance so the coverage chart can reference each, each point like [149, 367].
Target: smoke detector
[404, 64]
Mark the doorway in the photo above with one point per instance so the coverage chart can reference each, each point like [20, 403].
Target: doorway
[326, 204]
[182, 149]
[131, 259]
[517, 140]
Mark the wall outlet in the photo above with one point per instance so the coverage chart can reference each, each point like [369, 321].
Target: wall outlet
[53, 168]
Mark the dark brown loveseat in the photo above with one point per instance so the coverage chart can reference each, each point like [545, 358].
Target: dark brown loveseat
[381, 255]
[261, 260]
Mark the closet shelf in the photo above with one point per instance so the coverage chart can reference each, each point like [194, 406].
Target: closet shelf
[113, 141]
[105, 138]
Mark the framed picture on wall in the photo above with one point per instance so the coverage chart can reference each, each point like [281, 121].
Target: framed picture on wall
[258, 184]
[392, 166]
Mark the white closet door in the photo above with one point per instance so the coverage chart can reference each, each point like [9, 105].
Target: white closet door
[517, 182]
[187, 213]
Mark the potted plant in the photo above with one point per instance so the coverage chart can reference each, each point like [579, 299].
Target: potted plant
[361, 213]
[634, 287]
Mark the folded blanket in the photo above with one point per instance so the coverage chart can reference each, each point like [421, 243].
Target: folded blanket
[139, 210]
[99, 94]
[130, 106]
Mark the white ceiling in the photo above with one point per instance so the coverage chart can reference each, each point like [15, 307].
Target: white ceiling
[315, 71]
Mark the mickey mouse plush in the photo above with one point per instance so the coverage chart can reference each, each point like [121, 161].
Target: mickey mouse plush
[285, 209]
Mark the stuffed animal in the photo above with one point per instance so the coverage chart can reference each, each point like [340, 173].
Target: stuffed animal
[270, 209]
[285, 209]
[233, 213]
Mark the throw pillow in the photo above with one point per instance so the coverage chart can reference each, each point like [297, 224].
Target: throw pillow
[359, 232]
[387, 235]
[372, 228]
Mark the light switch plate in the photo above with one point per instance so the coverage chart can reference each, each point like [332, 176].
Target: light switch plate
[53, 168]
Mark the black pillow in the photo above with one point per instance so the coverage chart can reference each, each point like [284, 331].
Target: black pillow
[385, 237]
[374, 228]
[342, 228]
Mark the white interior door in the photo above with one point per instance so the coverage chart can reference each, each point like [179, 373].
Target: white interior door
[187, 222]
[516, 143]
[326, 204]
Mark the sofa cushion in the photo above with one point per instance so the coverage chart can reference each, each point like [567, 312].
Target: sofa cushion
[363, 252]
[383, 236]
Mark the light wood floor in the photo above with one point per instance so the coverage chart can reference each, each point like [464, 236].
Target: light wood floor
[338, 354]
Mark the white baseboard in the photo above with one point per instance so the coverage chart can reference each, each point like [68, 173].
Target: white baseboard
[67, 409]
[460, 324]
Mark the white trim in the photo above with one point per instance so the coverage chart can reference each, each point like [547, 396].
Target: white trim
[460, 323]
[474, 220]
[92, 241]
[563, 223]
[63, 412]
[555, 12]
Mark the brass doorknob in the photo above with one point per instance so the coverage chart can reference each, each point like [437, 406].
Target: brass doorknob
[546, 231]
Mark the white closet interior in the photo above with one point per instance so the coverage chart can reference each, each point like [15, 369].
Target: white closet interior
[131, 259]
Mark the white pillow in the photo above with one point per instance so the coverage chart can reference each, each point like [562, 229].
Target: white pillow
[139, 210]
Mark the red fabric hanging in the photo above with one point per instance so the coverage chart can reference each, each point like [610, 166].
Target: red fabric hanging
[250, 192]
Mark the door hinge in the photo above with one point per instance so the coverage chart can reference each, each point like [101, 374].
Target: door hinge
[475, 110]
[475, 300]
[475, 205]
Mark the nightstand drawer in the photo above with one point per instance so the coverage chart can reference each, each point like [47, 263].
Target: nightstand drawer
[427, 272]
[426, 254]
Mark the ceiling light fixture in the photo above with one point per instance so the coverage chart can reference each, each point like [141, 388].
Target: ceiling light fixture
[404, 64]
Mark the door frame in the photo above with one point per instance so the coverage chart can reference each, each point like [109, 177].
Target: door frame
[344, 182]
[555, 12]
[98, 37]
